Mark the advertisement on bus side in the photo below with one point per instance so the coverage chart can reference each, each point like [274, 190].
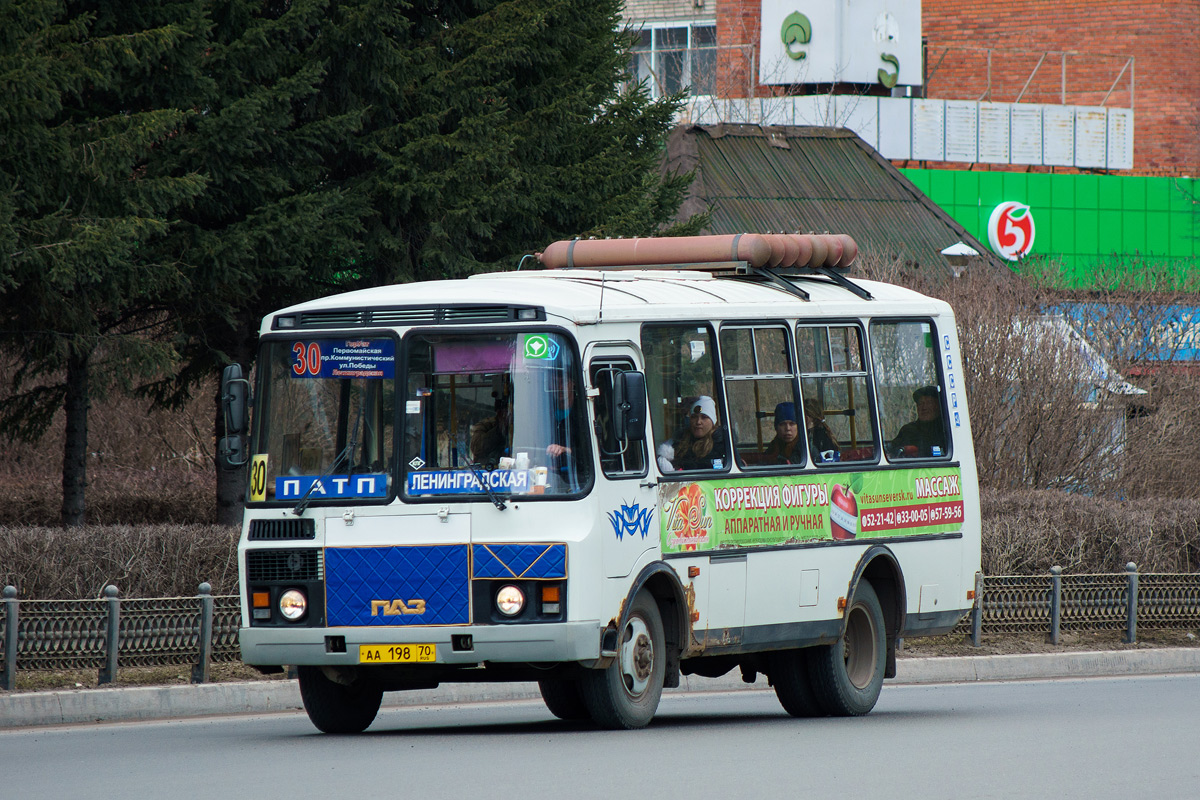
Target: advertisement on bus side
[789, 509]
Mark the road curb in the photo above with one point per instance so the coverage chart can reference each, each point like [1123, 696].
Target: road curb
[32, 709]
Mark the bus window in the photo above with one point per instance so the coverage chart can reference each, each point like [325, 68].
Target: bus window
[689, 429]
[911, 406]
[839, 418]
[761, 388]
[618, 458]
[326, 429]
[503, 408]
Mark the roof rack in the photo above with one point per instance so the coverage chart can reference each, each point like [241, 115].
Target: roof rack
[772, 257]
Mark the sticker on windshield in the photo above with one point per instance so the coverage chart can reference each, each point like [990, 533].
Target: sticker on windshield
[540, 346]
[330, 487]
[344, 358]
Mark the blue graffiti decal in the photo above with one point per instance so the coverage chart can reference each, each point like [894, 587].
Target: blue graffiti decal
[630, 519]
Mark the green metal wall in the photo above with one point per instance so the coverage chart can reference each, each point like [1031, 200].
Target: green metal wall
[1140, 224]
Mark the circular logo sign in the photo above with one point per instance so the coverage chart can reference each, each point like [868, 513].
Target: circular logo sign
[1010, 230]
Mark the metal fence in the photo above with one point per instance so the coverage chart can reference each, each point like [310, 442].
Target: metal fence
[1055, 603]
[109, 632]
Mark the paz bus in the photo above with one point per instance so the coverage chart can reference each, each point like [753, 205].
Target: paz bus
[641, 460]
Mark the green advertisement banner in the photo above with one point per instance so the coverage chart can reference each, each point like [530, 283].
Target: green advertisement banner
[785, 509]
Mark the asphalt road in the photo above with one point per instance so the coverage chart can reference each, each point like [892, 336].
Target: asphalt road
[1088, 738]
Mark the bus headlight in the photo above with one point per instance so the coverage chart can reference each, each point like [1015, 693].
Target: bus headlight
[293, 604]
[510, 600]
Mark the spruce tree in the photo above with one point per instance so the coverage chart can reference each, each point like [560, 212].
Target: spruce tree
[363, 142]
[86, 93]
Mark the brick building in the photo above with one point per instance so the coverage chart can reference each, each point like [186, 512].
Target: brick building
[1086, 113]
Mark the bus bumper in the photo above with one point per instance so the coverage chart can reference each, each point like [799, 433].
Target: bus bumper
[548, 642]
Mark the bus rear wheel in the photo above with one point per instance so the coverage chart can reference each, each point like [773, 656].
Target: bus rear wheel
[847, 675]
[626, 694]
[790, 675]
[564, 698]
[336, 707]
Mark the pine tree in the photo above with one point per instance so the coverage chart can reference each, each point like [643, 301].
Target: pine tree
[85, 98]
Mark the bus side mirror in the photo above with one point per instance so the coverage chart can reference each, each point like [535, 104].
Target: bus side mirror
[629, 414]
[234, 389]
[231, 450]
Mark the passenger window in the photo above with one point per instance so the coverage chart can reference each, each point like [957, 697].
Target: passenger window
[911, 402]
[836, 405]
[618, 458]
[689, 428]
[761, 387]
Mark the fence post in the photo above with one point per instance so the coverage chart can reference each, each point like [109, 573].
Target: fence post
[8, 678]
[977, 612]
[108, 673]
[1131, 610]
[1055, 604]
[200, 668]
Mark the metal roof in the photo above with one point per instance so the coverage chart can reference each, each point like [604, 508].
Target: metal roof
[789, 178]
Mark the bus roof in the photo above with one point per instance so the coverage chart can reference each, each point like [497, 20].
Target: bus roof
[583, 296]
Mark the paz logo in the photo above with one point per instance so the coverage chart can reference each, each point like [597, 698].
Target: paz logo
[540, 346]
[1010, 230]
[628, 520]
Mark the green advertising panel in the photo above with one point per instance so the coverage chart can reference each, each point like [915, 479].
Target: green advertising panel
[788, 509]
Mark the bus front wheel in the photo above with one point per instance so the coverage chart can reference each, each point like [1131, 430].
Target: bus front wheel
[337, 707]
[626, 694]
[848, 674]
[564, 698]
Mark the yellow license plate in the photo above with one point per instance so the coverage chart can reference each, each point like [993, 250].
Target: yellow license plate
[396, 653]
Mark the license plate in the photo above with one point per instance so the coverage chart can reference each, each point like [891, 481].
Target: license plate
[396, 653]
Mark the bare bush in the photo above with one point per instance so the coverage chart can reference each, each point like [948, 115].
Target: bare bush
[1027, 532]
[140, 560]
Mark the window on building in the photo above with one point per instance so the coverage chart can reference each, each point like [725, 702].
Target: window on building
[672, 58]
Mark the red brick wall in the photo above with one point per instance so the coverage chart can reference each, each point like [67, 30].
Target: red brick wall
[1162, 37]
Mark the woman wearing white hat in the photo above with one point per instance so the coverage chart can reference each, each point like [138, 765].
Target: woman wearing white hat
[701, 446]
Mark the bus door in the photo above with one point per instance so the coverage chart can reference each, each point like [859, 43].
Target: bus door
[624, 494]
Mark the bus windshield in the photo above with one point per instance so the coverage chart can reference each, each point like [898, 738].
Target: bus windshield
[502, 408]
[326, 420]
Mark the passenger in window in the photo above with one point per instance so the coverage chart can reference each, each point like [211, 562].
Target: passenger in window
[924, 437]
[702, 443]
[782, 449]
[820, 436]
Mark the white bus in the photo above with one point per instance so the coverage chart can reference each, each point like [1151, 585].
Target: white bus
[644, 460]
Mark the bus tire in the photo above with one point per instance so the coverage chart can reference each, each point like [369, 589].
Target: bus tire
[564, 698]
[848, 674]
[790, 675]
[625, 695]
[338, 708]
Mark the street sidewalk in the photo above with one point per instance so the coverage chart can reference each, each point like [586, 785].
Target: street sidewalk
[28, 709]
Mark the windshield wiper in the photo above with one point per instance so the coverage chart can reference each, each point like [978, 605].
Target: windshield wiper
[344, 457]
[347, 454]
[487, 487]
